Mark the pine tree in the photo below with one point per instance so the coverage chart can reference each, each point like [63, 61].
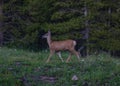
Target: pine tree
[1, 23]
[65, 21]
[93, 23]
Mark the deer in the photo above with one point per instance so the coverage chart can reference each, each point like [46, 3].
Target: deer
[58, 46]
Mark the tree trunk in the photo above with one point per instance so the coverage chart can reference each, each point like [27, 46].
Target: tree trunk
[86, 29]
[109, 13]
[1, 23]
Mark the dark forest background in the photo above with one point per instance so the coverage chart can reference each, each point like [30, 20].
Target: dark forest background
[94, 24]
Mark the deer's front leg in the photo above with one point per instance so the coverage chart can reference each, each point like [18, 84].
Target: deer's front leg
[77, 54]
[50, 55]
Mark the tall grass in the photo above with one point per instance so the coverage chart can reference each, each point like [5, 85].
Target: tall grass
[25, 68]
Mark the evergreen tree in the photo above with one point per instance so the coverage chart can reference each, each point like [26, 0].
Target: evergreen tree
[15, 20]
[1, 23]
[66, 21]
[94, 23]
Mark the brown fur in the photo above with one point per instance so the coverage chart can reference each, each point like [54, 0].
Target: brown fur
[57, 46]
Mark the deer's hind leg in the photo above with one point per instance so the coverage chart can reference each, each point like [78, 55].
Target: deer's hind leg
[69, 57]
[73, 51]
[77, 54]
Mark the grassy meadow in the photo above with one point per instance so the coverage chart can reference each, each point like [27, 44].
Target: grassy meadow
[27, 68]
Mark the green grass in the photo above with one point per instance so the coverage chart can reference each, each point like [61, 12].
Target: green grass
[25, 68]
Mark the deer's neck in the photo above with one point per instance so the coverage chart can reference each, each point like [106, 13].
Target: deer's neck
[49, 40]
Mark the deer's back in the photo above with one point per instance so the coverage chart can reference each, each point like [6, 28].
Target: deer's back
[62, 45]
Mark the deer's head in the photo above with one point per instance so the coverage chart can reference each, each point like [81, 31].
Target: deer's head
[46, 35]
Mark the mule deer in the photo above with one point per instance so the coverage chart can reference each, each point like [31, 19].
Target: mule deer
[57, 46]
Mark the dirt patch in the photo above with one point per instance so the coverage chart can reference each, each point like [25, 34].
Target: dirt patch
[48, 79]
[29, 80]
[21, 63]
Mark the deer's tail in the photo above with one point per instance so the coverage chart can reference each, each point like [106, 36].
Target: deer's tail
[74, 42]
